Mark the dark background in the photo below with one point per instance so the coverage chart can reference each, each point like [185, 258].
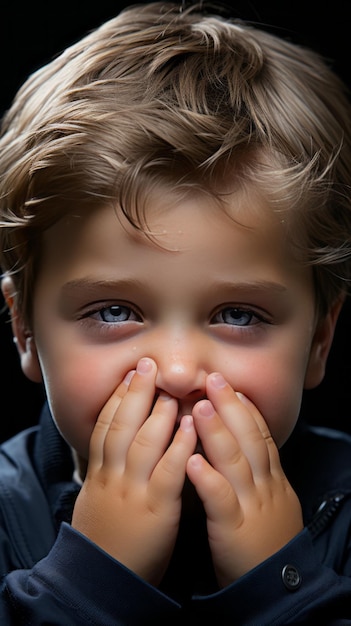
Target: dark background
[32, 33]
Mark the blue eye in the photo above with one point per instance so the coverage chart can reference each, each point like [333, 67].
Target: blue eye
[117, 313]
[235, 317]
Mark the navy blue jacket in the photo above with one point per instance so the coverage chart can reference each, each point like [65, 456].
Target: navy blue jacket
[51, 574]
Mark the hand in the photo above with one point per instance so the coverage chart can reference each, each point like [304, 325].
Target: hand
[130, 502]
[252, 511]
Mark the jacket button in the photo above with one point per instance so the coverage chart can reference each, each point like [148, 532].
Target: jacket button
[291, 577]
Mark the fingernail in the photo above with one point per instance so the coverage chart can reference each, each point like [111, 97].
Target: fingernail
[186, 423]
[218, 381]
[196, 461]
[128, 377]
[206, 409]
[243, 398]
[144, 366]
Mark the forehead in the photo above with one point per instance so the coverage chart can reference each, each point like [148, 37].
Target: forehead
[237, 236]
[165, 215]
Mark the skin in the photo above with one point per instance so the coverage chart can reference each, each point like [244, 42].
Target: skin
[182, 357]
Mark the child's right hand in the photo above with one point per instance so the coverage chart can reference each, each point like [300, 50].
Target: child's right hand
[130, 501]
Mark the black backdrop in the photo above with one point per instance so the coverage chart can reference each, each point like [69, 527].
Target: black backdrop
[32, 33]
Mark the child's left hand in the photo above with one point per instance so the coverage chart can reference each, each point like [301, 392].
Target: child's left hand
[252, 511]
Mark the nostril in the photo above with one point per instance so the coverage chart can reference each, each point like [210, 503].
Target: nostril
[182, 380]
[192, 396]
[195, 396]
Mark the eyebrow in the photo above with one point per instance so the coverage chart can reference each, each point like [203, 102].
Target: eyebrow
[89, 284]
[253, 285]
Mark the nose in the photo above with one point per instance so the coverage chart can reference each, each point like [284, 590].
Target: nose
[182, 366]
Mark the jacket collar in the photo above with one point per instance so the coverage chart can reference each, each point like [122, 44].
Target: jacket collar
[54, 465]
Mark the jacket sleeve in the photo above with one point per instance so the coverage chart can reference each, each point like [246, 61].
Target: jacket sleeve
[76, 584]
[291, 587]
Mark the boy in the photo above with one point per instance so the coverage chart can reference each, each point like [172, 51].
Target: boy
[175, 210]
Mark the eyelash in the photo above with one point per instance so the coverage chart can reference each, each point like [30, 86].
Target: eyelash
[236, 313]
[241, 312]
[98, 313]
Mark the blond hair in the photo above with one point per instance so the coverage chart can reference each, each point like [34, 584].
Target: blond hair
[178, 96]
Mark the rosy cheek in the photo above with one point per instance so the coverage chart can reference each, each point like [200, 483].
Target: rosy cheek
[281, 410]
[75, 395]
[275, 395]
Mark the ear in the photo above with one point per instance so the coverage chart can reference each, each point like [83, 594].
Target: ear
[23, 337]
[321, 344]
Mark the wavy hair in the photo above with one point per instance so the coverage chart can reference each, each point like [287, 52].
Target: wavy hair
[185, 98]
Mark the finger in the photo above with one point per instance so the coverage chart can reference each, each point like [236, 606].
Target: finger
[252, 437]
[216, 493]
[104, 420]
[272, 448]
[169, 474]
[133, 410]
[152, 438]
[221, 446]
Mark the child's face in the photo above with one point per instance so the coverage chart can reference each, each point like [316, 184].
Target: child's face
[213, 296]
